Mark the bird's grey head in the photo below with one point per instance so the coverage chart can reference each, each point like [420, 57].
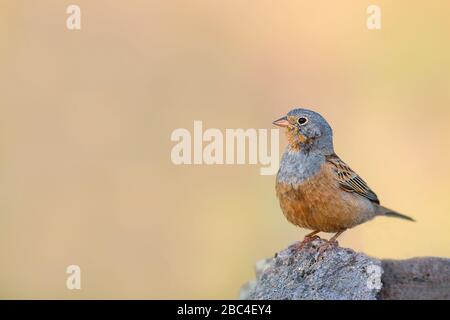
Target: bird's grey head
[307, 131]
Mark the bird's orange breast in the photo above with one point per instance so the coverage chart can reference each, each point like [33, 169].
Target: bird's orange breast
[319, 204]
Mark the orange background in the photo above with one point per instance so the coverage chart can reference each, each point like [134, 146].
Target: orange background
[86, 118]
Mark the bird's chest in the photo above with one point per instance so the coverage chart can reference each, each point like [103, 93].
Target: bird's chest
[315, 203]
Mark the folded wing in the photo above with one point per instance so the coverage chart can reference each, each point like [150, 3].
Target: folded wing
[349, 180]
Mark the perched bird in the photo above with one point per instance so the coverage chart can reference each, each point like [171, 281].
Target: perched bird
[316, 189]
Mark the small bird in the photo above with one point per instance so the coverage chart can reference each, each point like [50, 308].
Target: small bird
[316, 189]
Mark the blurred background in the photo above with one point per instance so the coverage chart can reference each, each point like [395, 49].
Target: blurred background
[86, 117]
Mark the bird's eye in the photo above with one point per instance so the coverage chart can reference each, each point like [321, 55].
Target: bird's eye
[302, 120]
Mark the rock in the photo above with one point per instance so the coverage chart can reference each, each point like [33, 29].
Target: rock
[297, 274]
[342, 274]
[417, 278]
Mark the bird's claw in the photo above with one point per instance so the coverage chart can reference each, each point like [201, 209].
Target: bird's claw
[307, 240]
[324, 247]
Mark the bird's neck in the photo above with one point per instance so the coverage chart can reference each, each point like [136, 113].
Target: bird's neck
[321, 145]
[298, 165]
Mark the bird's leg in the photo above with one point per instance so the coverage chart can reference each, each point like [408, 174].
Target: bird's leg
[309, 238]
[330, 243]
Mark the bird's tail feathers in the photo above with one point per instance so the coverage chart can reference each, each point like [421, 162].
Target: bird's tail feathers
[391, 213]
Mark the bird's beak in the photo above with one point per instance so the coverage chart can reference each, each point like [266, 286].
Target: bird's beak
[282, 122]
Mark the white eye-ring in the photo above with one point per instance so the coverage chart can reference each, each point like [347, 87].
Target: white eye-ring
[302, 121]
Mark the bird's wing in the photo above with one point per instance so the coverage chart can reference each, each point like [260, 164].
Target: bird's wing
[349, 180]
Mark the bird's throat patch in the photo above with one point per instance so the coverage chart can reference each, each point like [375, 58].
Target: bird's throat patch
[296, 139]
[301, 138]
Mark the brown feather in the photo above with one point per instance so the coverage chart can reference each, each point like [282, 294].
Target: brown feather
[320, 204]
[349, 180]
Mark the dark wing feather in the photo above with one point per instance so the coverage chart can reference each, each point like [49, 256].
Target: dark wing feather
[349, 180]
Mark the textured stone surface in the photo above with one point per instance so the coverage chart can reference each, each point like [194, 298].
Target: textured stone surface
[417, 278]
[299, 274]
[344, 274]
